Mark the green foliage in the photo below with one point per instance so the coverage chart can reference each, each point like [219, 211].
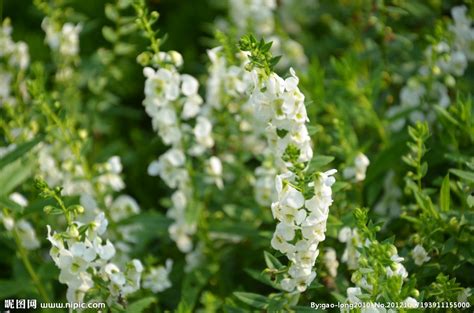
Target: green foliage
[260, 55]
[356, 62]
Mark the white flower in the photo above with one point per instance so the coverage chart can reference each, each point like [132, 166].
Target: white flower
[88, 202]
[411, 94]
[99, 225]
[27, 235]
[352, 240]
[19, 199]
[5, 83]
[464, 295]
[53, 35]
[203, 132]
[410, 303]
[353, 294]
[345, 234]
[123, 207]
[180, 233]
[70, 39]
[397, 269]
[105, 252]
[331, 262]
[282, 235]
[420, 255]
[157, 279]
[189, 85]
[214, 169]
[457, 63]
[176, 58]
[191, 106]
[170, 167]
[265, 192]
[161, 87]
[8, 221]
[361, 162]
[133, 275]
[288, 284]
[20, 56]
[114, 164]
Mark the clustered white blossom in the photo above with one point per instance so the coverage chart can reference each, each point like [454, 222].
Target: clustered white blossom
[156, 278]
[350, 255]
[14, 57]
[358, 171]
[175, 107]
[83, 258]
[59, 167]
[301, 224]
[227, 91]
[444, 61]
[330, 260]
[63, 39]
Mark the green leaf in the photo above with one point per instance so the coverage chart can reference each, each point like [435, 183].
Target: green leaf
[111, 12]
[470, 201]
[192, 286]
[140, 305]
[463, 174]
[319, 161]
[261, 277]
[442, 112]
[20, 151]
[271, 261]
[252, 299]
[339, 297]
[444, 197]
[12, 205]
[109, 34]
[14, 174]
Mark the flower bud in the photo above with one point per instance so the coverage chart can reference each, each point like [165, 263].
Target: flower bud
[48, 209]
[83, 134]
[144, 58]
[154, 16]
[176, 58]
[450, 81]
[73, 231]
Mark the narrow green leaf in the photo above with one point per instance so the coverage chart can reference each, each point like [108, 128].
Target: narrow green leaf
[12, 205]
[445, 195]
[109, 34]
[319, 161]
[463, 174]
[14, 174]
[111, 12]
[442, 112]
[252, 299]
[261, 277]
[140, 305]
[271, 261]
[20, 151]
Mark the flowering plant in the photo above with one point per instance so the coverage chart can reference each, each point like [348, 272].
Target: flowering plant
[249, 155]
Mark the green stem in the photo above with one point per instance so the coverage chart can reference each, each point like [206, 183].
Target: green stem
[29, 268]
[63, 207]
